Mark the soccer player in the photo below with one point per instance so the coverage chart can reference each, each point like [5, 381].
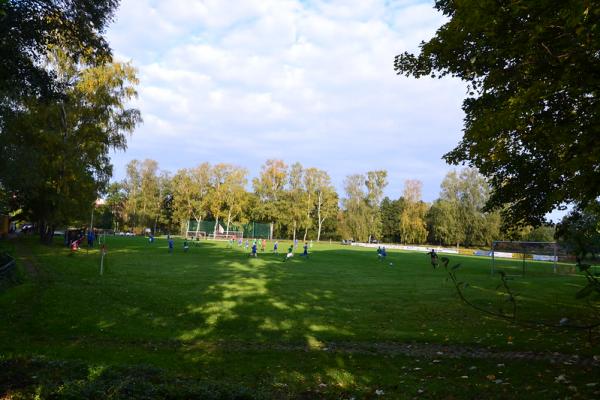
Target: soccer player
[253, 254]
[434, 258]
[275, 246]
[247, 244]
[289, 254]
[305, 253]
[382, 254]
[263, 245]
[185, 246]
[171, 244]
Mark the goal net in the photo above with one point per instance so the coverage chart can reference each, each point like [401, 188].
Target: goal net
[519, 258]
[227, 235]
[196, 235]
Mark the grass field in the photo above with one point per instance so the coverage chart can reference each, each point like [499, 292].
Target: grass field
[340, 324]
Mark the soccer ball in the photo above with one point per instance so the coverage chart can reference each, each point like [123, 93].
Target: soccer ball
[391, 264]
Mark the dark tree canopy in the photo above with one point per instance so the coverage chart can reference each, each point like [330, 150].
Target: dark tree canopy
[62, 107]
[532, 115]
[28, 27]
[580, 230]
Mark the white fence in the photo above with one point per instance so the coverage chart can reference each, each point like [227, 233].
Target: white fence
[408, 248]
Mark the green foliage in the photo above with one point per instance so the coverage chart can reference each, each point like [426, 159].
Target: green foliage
[361, 219]
[580, 230]
[531, 115]
[543, 233]
[412, 224]
[28, 28]
[458, 215]
[44, 378]
[390, 219]
[57, 152]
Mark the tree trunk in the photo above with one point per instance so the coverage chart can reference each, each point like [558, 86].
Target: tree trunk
[319, 229]
[294, 238]
[228, 221]
[215, 228]
[46, 232]
[320, 222]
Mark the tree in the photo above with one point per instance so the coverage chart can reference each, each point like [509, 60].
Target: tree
[326, 201]
[235, 195]
[190, 189]
[412, 218]
[29, 28]
[390, 219]
[376, 181]
[184, 198]
[310, 193]
[355, 218]
[444, 223]
[65, 142]
[580, 230]
[219, 191]
[465, 194]
[164, 202]
[132, 186]
[294, 198]
[150, 194]
[115, 201]
[531, 119]
[269, 188]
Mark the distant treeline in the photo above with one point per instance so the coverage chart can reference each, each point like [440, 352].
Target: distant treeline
[302, 203]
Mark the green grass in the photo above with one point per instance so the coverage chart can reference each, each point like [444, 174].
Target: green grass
[215, 315]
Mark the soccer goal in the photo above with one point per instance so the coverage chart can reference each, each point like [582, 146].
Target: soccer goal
[227, 235]
[518, 258]
[196, 235]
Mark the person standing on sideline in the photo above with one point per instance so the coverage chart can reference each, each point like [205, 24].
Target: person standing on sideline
[90, 238]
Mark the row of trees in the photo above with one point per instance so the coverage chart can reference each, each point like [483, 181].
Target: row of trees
[297, 200]
[302, 202]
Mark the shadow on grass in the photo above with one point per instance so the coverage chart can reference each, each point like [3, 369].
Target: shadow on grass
[216, 313]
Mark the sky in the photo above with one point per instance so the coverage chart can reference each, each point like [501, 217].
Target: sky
[308, 81]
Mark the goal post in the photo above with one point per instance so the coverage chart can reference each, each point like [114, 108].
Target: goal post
[196, 235]
[526, 251]
[227, 235]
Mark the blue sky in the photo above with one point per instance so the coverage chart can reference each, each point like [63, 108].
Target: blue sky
[308, 81]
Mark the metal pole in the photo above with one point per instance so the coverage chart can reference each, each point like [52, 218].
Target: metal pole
[555, 257]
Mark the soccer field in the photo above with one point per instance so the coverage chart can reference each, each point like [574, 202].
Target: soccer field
[339, 324]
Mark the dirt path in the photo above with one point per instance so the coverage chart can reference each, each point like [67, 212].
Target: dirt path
[31, 266]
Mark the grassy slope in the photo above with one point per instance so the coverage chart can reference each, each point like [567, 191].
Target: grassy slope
[214, 313]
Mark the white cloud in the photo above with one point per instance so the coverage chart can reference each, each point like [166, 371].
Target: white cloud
[308, 81]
